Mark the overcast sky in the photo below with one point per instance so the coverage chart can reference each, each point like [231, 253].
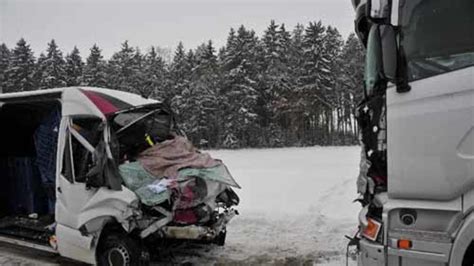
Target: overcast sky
[160, 23]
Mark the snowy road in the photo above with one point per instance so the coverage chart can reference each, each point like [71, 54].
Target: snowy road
[296, 207]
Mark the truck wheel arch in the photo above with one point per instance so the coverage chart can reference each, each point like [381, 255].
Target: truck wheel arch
[464, 242]
[469, 256]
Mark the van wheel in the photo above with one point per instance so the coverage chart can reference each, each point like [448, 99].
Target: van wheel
[220, 238]
[120, 250]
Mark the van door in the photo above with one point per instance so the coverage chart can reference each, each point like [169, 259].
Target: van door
[71, 189]
[77, 203]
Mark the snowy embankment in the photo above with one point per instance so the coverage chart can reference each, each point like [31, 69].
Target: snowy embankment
[296, 206]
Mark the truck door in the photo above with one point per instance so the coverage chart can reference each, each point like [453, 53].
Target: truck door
[431, 127]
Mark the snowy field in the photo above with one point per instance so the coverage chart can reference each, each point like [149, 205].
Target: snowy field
[296, 207]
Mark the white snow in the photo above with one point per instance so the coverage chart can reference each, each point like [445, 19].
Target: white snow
[296, 206]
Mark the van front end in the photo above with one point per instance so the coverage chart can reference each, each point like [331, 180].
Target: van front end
[105, 177]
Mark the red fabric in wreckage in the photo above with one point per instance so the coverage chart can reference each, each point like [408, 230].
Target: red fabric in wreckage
[380, 180]
[165, 159]
[187, 216]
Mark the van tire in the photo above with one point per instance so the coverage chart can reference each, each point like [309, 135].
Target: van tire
[119, 249]
[220, 238]
[469, 257]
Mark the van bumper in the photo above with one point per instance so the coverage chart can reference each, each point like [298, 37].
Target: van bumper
[371, 254]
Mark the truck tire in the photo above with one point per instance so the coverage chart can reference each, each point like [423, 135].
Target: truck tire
[469, 257]
[119, 249]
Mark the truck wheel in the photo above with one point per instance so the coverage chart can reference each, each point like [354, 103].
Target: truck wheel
[469, 257]
[220, 238]
[118, 249]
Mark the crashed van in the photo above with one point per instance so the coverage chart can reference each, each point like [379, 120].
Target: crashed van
[104, 177]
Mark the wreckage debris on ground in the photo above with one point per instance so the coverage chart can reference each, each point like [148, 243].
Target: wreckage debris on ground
[184, 186]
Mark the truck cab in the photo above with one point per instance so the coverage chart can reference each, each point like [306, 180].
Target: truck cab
[416, 180]
[61, 152]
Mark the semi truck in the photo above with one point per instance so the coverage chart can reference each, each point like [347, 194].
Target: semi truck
[416, 180]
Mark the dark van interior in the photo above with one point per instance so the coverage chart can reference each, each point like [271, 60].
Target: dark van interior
[27, 161]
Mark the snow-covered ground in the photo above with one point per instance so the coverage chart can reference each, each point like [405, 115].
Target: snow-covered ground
[296, 207]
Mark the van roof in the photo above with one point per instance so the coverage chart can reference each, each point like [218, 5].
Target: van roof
[105, 100]
[131, 98]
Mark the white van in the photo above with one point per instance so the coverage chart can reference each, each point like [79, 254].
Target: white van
[61, 191]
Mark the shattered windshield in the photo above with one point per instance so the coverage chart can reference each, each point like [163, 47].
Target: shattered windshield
[437, 36]
[141, 127]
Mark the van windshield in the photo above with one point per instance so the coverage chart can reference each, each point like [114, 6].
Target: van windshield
[140, 127]
[437, 36]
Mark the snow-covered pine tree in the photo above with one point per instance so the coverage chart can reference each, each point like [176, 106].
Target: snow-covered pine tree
[182, 84]
[314, 82]
[190, 61]
[53, 68]
[74, 68]
[121, 69]
[95, 69]
[270, 74]
[292, 104]
[201, 98]
[138, 82]
[332, 49]
[4, 62]
[239, 89]
[276, 82]
[179, 74]
[154, 70]
[21, 69]
[39, 69]
[352, 58]
[297, 53]
[316, 65]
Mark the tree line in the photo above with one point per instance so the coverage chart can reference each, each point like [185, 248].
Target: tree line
[284, 88]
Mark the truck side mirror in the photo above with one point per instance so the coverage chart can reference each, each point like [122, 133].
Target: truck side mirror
[373, 74]
[389, 51]
[381, 59]
[379, 9]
